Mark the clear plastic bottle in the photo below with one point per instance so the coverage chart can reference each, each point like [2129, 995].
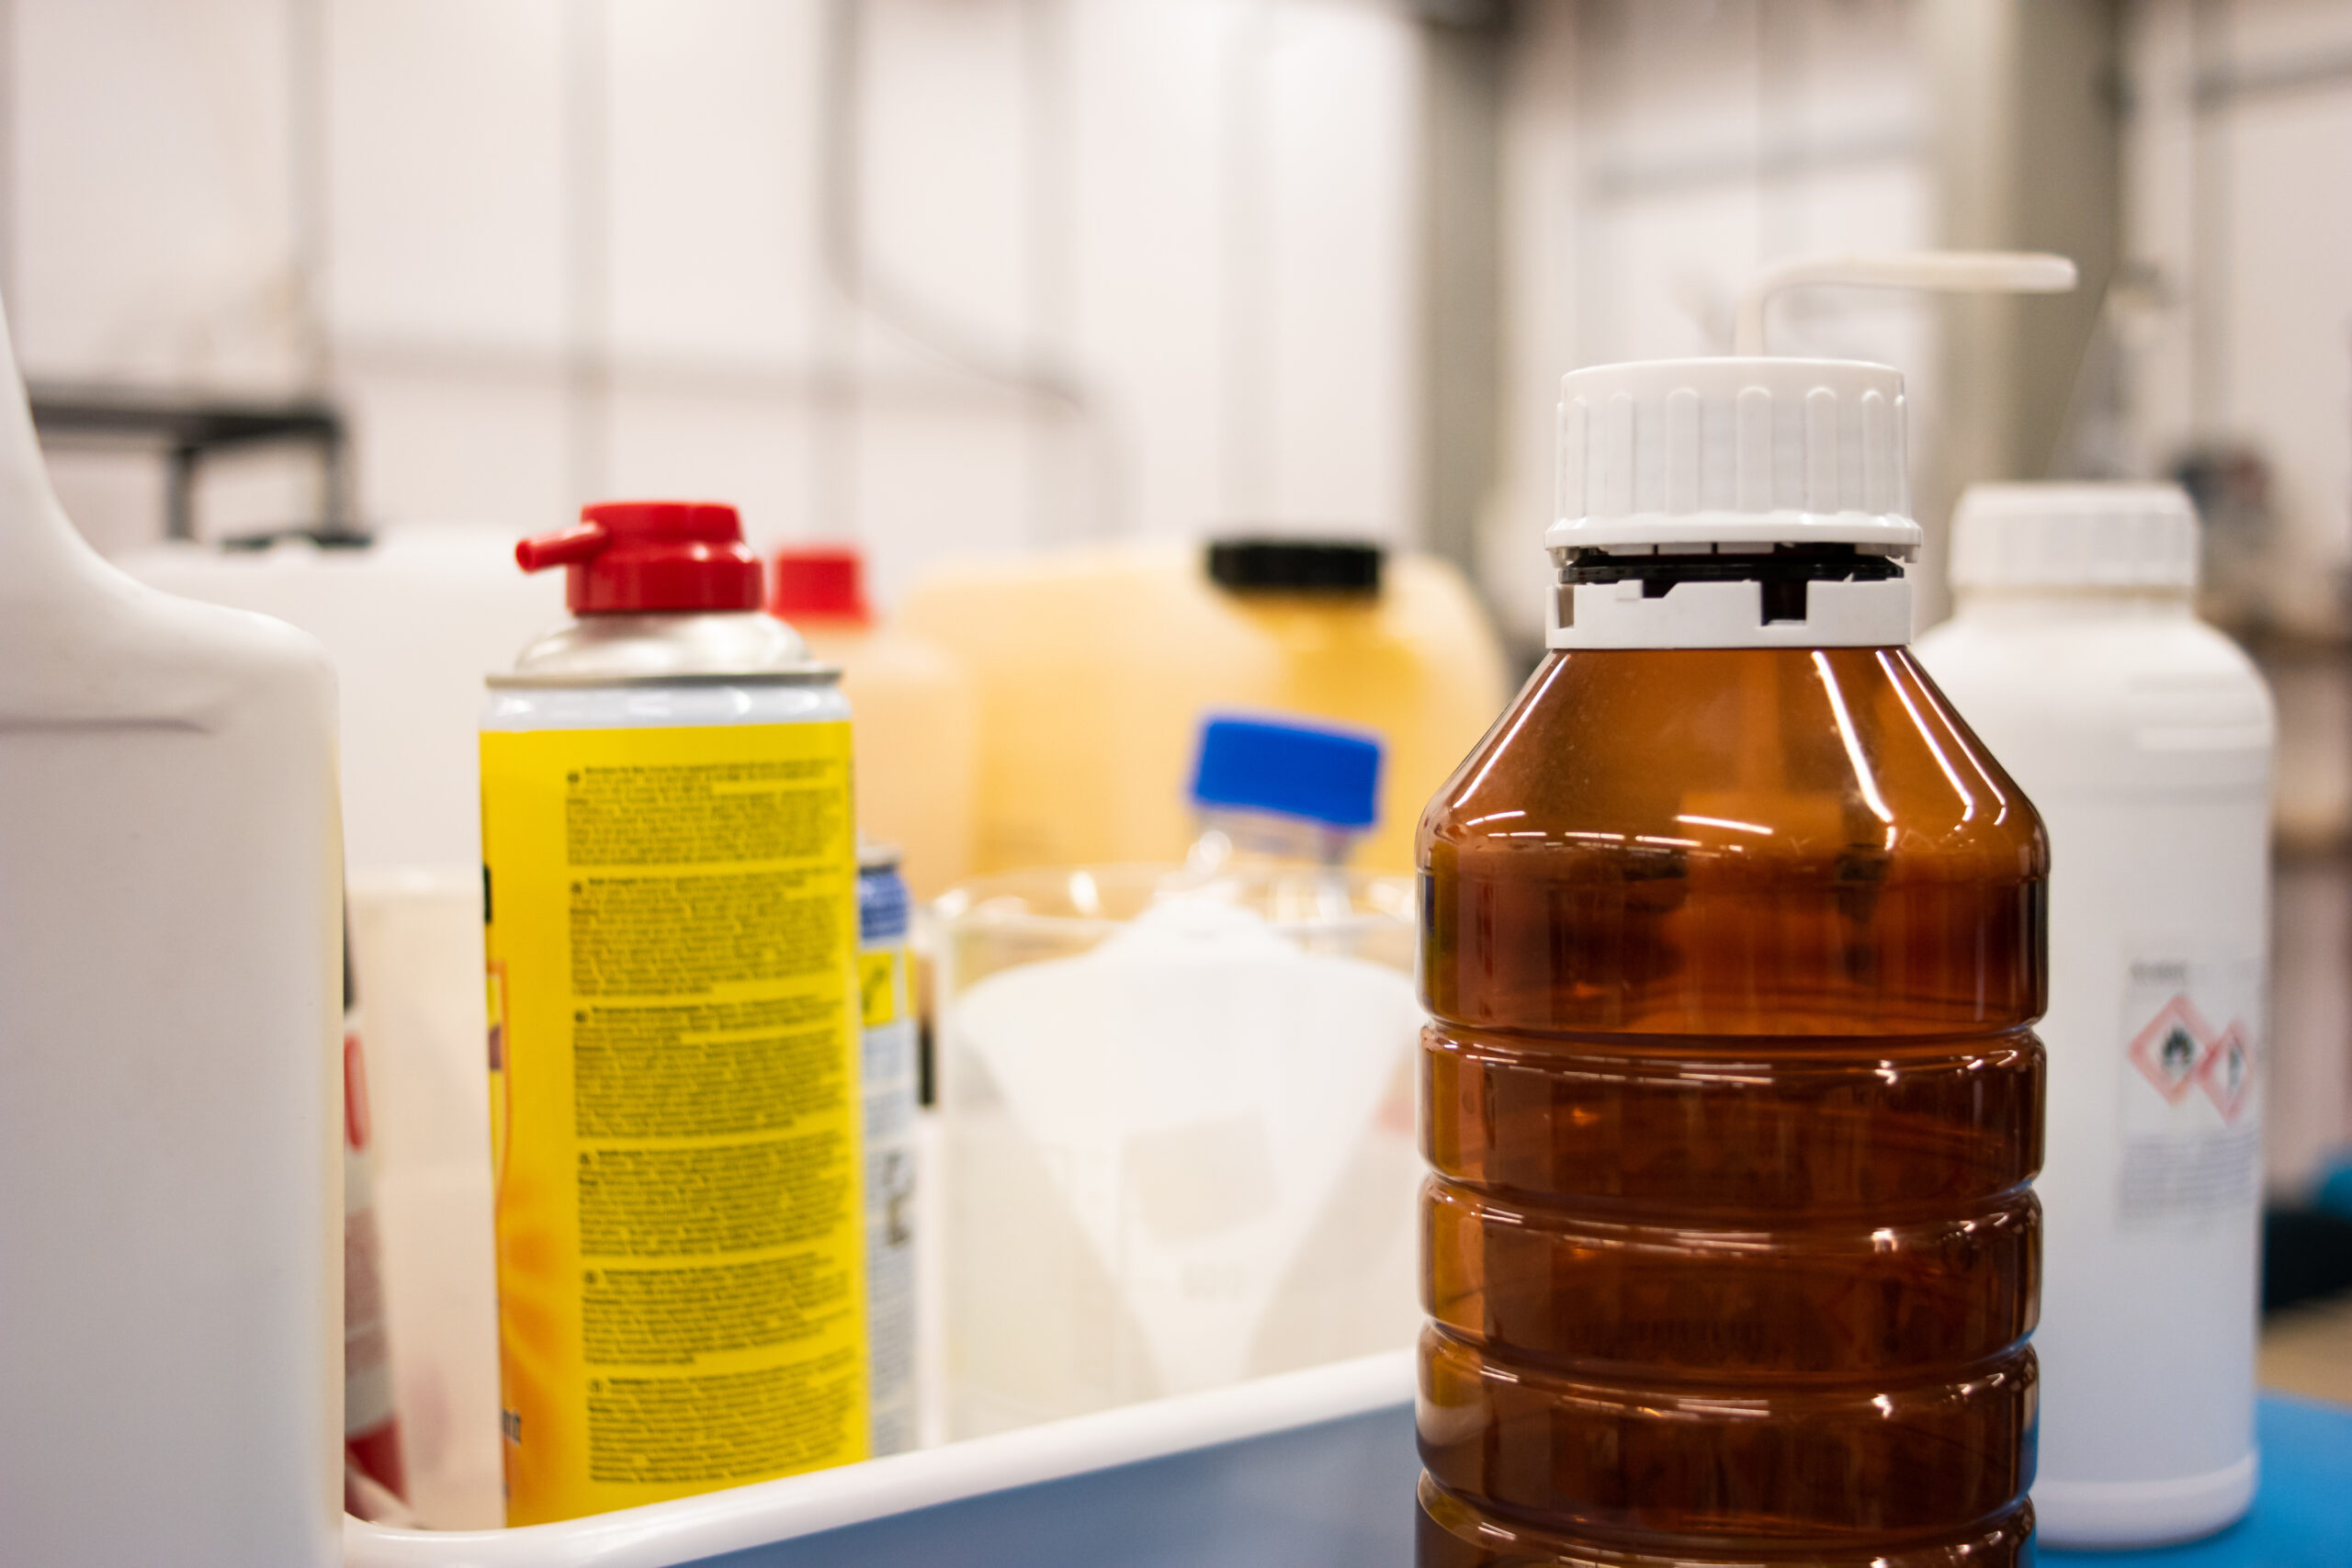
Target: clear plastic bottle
[1390, 642]
[1274, 790]
[1732, 936]
[2145, 736]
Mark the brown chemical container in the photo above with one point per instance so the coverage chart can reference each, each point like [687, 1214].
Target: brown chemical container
[1730, 1097]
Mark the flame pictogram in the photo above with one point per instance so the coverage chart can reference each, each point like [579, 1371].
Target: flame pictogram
[2171, 1051]
[2227, 1073]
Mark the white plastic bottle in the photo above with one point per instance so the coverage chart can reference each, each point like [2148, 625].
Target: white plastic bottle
[2144, 736]
[171, 1220]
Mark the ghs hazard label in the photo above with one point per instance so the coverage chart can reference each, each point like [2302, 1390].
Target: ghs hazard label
[670, 925]
[2192, 1108]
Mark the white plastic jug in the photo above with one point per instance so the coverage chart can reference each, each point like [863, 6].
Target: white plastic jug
[170, 1219]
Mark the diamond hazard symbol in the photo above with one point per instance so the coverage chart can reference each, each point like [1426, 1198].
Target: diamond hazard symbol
[2228, 1072]
[2169, 1052]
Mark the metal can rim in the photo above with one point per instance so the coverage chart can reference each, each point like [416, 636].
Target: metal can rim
[799, 675]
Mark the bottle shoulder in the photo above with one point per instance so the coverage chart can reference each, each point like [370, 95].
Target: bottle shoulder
[656, 671]
[117, 651]
[1775, 760]
[1788, 842]
[2137, 706]
[627, 647]
[2085, 658]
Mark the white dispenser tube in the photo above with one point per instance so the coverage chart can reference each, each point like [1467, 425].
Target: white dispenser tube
[1949, 272]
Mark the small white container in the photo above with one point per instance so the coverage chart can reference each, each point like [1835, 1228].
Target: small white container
[2144, 738]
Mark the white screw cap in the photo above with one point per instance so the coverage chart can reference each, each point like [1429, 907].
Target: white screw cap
[1683, 454]
[2074, 535]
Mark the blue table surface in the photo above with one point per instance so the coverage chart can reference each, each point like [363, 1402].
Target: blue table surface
[2303, 1505]
[1337, 1494]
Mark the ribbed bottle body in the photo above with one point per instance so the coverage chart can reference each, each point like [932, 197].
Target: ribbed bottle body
[1732, 1108]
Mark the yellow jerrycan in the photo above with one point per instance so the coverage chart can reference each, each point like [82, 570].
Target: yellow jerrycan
[1094, 668]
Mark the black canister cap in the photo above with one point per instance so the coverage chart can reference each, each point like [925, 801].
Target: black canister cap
[1332, 566]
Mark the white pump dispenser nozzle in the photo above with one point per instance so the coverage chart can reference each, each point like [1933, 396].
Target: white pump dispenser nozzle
[1952, 271]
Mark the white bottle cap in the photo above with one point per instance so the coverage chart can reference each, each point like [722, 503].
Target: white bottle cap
[2074, 535]
[1732, 451]
[1732, 457]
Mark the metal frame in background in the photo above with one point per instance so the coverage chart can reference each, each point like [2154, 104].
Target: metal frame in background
[188, 428]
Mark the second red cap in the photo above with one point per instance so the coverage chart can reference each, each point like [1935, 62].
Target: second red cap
[648, 557]
[820, 582]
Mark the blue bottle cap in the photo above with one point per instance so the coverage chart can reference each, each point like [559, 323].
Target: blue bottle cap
[1296, 770]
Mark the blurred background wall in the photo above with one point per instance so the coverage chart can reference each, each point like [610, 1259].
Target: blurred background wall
[1661, 151]
[967, 275]
[1657, 156]
[987, 277]
[991, 275]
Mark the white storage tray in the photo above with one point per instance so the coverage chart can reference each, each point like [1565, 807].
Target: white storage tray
[1306, 1469]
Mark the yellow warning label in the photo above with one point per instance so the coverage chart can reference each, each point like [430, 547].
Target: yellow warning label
[878, 982]
[670, 925]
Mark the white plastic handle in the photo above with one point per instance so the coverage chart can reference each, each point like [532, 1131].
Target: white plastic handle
[1964, 272]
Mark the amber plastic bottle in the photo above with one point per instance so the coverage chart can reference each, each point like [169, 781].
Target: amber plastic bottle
[1730, 1098]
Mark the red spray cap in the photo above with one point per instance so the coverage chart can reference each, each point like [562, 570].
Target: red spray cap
[651, 556]
[820, 582]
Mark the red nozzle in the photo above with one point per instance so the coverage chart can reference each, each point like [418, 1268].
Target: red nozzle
[820, 582]
[583, 542]
[639, 556]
